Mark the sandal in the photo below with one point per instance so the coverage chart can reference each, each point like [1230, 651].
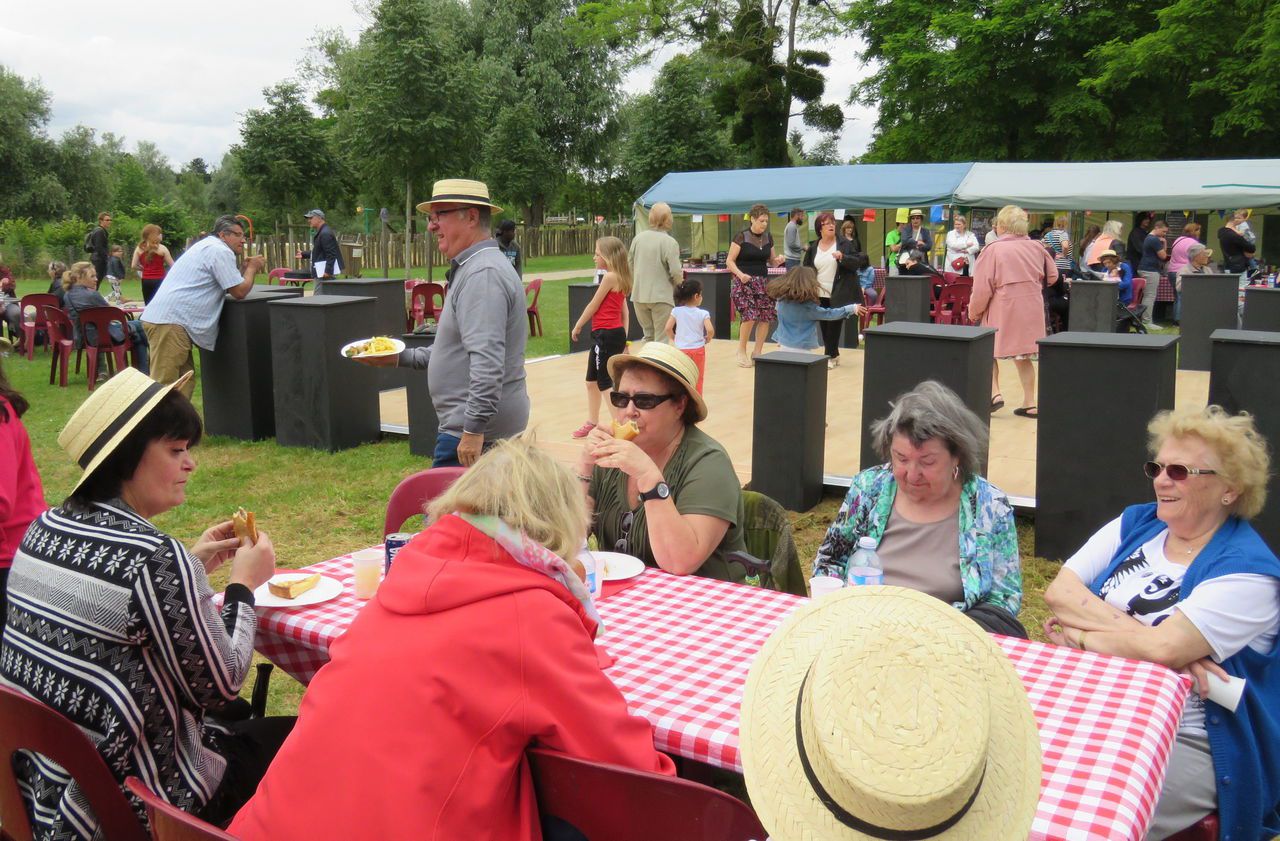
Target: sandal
[584, 430]
[997, 403]
[1027, 412]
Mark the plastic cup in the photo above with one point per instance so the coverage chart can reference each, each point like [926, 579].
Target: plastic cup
[367, 564]
[1226, 693]
[824, 585]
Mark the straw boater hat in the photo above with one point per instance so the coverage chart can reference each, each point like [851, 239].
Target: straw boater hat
[883, 713]
[668, 360]
[1108, 253]
[459, 191]
[113, 411]
[915, 211]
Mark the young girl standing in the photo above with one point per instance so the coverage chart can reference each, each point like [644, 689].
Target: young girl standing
[689, 327]
[797, 293]
[610, 321]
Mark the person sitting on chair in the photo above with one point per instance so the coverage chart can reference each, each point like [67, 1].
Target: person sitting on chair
[940, 528]
[1113, 268]
[669, 496]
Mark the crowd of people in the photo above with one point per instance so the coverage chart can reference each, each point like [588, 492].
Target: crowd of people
[428, 713]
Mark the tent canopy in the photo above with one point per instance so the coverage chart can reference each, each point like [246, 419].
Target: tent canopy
[1127, 185]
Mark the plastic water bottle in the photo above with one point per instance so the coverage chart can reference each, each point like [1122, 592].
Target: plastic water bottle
[864, 566]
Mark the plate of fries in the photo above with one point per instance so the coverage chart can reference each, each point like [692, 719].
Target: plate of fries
[376, 346]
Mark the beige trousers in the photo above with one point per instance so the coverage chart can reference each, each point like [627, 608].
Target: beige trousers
[170, 355]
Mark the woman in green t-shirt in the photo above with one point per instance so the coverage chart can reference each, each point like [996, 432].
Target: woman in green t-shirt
[669, 496]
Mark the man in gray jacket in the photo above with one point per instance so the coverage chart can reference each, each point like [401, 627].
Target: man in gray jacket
[476, 365]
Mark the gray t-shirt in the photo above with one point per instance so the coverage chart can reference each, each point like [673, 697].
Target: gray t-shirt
[923, 556]
[791, 249]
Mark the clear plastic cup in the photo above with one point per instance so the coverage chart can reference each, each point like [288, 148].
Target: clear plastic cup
[367, 564]
[823, 585]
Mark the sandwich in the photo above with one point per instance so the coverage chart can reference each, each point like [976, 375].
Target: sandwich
[246, 528]
[625, 431]
[292, 588]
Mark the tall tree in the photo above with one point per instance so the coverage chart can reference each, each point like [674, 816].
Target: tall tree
[133, 188]
[30, 187]
[285, 153]
[82, 167]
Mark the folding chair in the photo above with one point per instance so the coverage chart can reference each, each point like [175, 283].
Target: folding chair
[621, 804]
[414, 492]
[27, 724]
[168, 822]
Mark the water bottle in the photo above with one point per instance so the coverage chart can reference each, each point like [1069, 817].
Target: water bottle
[594, 575]
[864, 566]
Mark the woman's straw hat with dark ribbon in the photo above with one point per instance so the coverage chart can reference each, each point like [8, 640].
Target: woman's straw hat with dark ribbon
[883, 713]
[113, 410]
[459, 191]
[670, 361]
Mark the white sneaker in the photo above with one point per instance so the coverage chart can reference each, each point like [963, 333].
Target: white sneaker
[831, 363]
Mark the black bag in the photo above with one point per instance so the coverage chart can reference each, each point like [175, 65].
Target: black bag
[88, 241]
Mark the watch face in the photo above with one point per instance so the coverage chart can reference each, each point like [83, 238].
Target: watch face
[663, 490]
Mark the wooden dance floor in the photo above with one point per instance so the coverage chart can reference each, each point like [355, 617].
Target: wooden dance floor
[558, 395]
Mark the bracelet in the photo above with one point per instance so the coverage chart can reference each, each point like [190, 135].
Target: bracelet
[582, 478]
[1080, 641]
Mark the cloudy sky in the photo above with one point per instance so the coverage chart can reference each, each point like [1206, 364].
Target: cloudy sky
[180, 74]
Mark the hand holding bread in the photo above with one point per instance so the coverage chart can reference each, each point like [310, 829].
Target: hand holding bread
[253, 565]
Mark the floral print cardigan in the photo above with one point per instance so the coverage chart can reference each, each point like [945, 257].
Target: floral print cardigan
[990, 569]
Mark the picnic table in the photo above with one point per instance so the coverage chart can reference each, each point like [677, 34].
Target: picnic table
[681, 647]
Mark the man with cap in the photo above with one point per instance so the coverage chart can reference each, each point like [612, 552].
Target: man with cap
[186, 308]
[325, 257]
[510, 248]
[476, 373]
[917, 236]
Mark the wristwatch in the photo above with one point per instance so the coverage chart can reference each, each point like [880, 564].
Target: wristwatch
[660, 491]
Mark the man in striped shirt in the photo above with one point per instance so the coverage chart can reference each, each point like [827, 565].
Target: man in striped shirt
[186, 309]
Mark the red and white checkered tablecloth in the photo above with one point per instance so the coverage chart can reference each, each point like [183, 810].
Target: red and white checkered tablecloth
[683, 645]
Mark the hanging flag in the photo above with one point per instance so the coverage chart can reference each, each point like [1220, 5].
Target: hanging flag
[697, 217]
[869, 214]
[904, 215]
[839, 213]
[724, 217]
[935, 213]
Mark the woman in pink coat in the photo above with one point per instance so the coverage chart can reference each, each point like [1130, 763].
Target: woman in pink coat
[1007, 294]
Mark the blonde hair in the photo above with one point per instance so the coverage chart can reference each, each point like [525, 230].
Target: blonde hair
[1061, 221]
[1191, 229]
[1013, 220]
[146, 245]
[76, 273]
[660, 216]
[1245, 459]
[615, 260]
[1113, 228]
[527, 489]
[799, 284]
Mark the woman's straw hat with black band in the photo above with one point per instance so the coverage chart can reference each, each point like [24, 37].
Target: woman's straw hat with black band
[113, 411]
[459, 191]
[883, 714]
[670, 361]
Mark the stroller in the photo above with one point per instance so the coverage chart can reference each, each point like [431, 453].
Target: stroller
[1128, 319]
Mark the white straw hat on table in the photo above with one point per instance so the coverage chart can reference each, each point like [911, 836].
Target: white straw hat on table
[459, 191]
[883, 713]
[112, 411]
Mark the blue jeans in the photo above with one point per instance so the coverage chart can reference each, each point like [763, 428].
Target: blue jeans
[789, 263]
[446, 452]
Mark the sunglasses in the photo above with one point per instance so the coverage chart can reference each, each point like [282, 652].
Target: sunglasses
[622, 544]
[643, 400]
[1176, 472]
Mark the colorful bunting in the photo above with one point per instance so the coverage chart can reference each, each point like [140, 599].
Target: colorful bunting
[869, 215]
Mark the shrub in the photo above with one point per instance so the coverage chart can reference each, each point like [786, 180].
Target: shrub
[21, 244]
[174, 220]
[65, 239]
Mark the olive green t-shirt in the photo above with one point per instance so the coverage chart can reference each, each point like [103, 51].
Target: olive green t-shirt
[702, 481]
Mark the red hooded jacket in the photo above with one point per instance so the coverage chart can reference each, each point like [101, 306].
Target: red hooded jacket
[417, 726]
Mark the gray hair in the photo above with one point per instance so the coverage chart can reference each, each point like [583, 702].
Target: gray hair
[225, 224]
[931, 410]
[1113, 228]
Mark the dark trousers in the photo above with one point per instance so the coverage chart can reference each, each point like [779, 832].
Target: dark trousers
[150, 288]
[830, 332]
[248, 749]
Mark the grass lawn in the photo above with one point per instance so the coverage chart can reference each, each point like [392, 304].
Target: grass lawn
[317, 505]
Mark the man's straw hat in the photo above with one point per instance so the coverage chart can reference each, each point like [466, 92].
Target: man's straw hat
[113, 411]
[880, 712]
[459, 191]
[668, 360]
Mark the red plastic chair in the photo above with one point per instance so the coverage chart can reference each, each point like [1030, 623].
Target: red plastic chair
[535, 317]
[61, 332]
[276, 276]
[36, 301]
[622, 804]
[423, 304]
[101, 319]
[952, 306]
[27, 724]
[414, 492]
[1139, 287]
[168, 822]
[1206, 829]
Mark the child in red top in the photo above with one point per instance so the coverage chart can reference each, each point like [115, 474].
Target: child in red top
[21, 496]
[610, 321]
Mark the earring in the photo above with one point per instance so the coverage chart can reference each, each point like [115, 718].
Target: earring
[955, 472]
[1226, 501]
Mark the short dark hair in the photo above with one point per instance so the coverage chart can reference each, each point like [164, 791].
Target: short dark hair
[796, 210]
[506, 225]
[172, 419]
[686, 290]
[226, 223]
[823, 218]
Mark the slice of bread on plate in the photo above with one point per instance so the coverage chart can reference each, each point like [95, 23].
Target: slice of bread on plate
[291, 588]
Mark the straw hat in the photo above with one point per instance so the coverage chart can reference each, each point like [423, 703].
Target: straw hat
[459, 191]
[880, 712]
[915, 211]
[1108, 253]
[668, 360]
[113, 411]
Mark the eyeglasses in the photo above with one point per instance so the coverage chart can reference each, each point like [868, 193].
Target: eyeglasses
[623, 544]
[643, 400]
[1176, 472]
[434, 218]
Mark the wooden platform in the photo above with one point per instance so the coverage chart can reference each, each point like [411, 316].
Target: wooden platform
[558, 395]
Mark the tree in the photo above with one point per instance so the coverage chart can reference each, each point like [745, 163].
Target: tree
[26, 154]
[285, 152]
[132, 187]
[156, 165]
[197, 166]
[81, 167]
[224, 188]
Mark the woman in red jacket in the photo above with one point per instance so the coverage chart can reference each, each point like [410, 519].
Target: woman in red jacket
[21, 497]
[478, 646]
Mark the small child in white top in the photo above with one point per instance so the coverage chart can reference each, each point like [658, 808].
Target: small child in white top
[689, 327]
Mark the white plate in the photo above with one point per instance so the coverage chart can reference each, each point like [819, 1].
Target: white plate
[399, 346]
[328, 588]
[619, 567]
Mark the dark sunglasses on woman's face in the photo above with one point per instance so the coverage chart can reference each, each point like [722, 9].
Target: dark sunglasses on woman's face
[1176, 472]
[642, 399]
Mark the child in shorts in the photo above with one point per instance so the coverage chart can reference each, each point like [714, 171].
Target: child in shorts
[610, 320]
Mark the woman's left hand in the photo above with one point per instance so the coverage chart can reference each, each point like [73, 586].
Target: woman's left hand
[622, 455]
[216, 545]
[1060, 634]
[1200, 671]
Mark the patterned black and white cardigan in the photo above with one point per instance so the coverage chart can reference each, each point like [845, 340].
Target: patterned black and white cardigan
[112, 623]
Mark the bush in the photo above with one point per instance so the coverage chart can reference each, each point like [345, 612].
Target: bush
[175, 222]
[65, 236]
[21, 244]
